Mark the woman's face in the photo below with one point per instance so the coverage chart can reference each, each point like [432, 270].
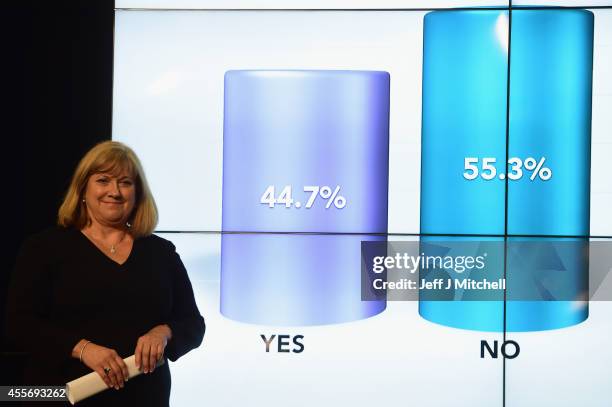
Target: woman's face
[110, 198]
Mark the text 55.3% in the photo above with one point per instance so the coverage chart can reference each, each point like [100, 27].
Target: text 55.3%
[485, 168]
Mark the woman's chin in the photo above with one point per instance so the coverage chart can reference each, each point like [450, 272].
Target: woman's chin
[115, 221]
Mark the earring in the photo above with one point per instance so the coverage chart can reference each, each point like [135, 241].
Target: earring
[83, 200]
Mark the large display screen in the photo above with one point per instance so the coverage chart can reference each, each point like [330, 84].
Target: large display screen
[282, 145]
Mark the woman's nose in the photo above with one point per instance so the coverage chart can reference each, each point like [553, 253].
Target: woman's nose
[114, 189]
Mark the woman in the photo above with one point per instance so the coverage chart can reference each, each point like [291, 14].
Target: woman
[101, 287]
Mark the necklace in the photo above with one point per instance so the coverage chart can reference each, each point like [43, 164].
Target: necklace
[113, 247]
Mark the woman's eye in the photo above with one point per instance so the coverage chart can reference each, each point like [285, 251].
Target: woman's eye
[102, 180]
[126, 183]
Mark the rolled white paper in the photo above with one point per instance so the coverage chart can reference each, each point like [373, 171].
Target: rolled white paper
[90, 384]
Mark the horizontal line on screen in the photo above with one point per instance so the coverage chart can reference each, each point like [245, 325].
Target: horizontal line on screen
[217, 232]
[500, 8]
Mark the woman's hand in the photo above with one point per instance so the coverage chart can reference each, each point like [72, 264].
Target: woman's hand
[150, 347]
[98, 357]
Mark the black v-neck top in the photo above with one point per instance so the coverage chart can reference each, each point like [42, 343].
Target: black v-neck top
[65, 289]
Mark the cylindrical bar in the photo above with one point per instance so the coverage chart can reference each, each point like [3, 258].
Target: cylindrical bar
[549, 128]
[304, 152]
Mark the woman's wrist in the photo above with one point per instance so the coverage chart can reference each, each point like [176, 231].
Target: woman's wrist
[162, 329]
[165, 328]
[77, 351]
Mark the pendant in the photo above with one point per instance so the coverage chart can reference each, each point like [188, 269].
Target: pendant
[113, 249]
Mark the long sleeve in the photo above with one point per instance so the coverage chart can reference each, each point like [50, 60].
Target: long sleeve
[29, 304]
[186, 323]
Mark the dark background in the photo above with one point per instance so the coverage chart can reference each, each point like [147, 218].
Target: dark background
[57, 65]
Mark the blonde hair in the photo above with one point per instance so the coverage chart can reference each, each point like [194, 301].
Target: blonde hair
[113, 157]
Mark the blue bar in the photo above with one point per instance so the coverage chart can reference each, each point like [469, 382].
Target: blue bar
[464, 115]
[298, 129]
